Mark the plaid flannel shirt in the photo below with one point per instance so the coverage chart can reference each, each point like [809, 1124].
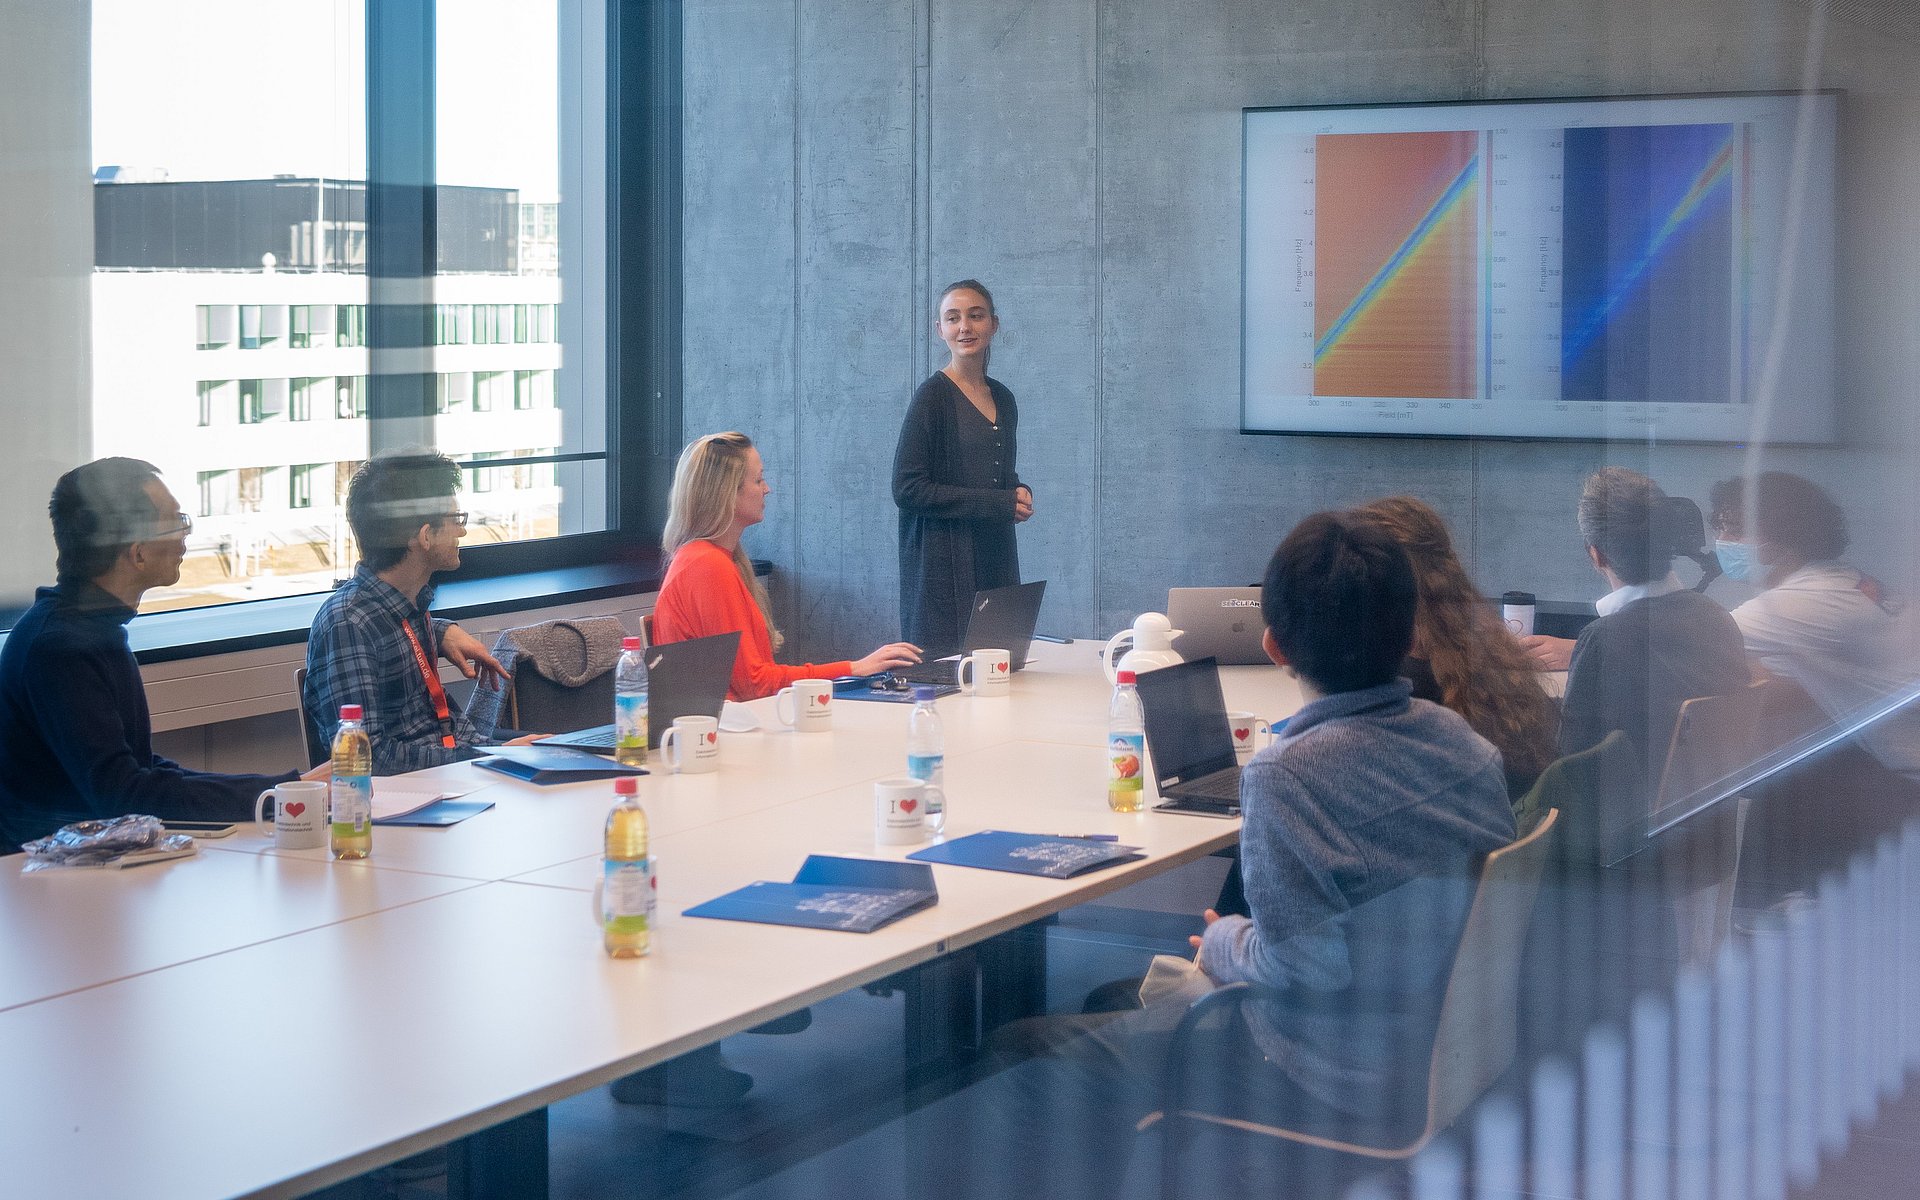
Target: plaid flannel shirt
[357, 653]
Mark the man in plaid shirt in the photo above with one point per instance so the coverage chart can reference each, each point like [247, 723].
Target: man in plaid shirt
[374, 643]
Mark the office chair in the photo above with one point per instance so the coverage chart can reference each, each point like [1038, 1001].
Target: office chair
[317, 752]
[1473, 1045]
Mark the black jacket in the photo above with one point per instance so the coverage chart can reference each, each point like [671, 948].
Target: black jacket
[956, 530]
[75, 737]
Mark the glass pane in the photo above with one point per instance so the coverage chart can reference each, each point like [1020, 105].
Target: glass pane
[229, 285]
[504, 389]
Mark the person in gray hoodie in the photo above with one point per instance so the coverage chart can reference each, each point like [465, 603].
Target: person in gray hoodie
[1362, 824]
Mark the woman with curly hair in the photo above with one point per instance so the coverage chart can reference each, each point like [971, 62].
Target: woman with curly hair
[1462, 656]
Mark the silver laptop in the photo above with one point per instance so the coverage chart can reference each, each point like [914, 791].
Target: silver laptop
[684, 679]
[1222, 623]
[1188, 741]
[1002, 619]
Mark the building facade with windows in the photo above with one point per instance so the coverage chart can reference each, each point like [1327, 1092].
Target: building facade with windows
[230, 349]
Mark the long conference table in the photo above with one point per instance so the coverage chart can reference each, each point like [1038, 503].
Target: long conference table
[251, 1021]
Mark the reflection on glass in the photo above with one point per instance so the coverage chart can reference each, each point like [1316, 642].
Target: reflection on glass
[229, 292]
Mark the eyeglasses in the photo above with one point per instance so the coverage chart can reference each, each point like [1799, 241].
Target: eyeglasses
[1725, 524]
[458, 518]
[185, 526]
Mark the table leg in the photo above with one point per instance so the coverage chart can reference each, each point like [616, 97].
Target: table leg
[939, 1011]
[506, 1162]
[1013, 976]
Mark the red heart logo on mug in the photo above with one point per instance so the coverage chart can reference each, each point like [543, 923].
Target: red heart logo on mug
[712, 738]
[822, 700]
[1000, 668]
[909, 805]
[295, 808]
[1243, 733]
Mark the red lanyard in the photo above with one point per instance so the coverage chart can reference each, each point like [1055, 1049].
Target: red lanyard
[438, 693]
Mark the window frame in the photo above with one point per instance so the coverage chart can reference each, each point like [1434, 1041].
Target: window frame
[635, 172]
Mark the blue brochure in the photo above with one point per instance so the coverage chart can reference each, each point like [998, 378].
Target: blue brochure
[858, 895]
[1029, 854]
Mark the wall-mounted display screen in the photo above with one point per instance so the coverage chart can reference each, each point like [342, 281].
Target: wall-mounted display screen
[1647, 268]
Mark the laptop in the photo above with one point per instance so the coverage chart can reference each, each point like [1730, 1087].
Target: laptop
[1188, 740]
[1222, 623]
[684, 679]
[1002, 619]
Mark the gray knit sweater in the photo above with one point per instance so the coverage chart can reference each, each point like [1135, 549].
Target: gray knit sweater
[1361, 823]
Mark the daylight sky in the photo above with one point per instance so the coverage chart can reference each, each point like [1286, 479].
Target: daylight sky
[243, 89]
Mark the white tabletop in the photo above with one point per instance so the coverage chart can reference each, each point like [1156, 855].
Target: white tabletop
[463, 968]
[63, 930]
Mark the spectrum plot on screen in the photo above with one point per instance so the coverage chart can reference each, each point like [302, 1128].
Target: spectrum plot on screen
[1396, 299]
[1649, 268]
[1648, 276]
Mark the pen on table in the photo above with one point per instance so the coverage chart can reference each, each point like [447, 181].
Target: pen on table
[1088, 837]
[1048, 637]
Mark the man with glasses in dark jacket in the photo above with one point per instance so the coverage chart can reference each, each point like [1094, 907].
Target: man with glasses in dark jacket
[76, 740]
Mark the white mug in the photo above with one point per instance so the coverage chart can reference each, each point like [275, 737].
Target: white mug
[299, 814]
[986, 673]
[691, 745]
[1516, 612]
[807, 705]
[1247, 731]
[899, 818]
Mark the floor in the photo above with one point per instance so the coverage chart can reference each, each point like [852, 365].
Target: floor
[824, 1118]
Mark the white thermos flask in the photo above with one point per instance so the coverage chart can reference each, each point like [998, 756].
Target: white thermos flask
[1516, 609]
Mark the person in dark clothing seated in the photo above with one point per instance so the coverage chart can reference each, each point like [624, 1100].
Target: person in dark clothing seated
[76, 741]
[1362, 822]
[1655, 644]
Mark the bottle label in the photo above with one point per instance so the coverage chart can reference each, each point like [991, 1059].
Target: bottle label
[352, 797]
[931, 770]
[626, 894]
[1126, 752]
[630, 721]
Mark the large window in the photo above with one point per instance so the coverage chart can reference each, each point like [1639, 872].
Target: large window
[372, 317]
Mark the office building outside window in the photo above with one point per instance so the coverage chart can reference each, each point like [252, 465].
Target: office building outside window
[230, 293]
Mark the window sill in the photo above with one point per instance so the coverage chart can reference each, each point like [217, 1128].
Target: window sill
[231, 628]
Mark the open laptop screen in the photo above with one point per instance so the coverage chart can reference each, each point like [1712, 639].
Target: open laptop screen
[1186, 716]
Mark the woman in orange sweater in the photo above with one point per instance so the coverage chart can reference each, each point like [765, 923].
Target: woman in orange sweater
[719, 489]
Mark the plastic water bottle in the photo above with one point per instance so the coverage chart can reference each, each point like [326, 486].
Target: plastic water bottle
[627, 881]
[927, 755]
[1126, 747]
[350, 795]
[630, 705]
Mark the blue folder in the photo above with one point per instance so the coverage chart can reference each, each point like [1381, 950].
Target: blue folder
[857, 895]
[553, 764]
[1030, 854]
[860, 687]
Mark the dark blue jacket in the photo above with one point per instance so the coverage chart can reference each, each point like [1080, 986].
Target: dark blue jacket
[75, 737]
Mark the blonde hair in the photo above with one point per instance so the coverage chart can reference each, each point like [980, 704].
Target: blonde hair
[1483, 672]
[706, 486]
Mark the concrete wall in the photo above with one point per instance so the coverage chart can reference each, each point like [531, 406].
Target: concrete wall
[845, 157]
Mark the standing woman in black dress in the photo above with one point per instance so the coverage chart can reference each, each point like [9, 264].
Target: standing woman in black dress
[955, 481]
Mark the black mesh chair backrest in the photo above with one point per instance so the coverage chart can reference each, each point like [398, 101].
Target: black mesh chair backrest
[543, 706]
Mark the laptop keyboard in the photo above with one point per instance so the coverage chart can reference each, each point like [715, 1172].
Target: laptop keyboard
[604, 740]
[1221, 785]
[937, 671]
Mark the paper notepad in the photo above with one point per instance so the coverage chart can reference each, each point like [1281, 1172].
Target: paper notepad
[857, 895]
[400, 796]
[1029, 854]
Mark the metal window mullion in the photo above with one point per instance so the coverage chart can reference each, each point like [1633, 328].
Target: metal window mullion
[402, 232]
